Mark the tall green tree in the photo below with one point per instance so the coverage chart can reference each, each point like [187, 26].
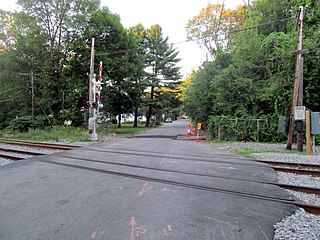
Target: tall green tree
[22, 60]
[162, 65]
[61, 21]
[138, 32]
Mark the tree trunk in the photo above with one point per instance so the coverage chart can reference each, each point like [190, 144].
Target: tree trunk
[119, 121]
[149, 114]
[135, 122]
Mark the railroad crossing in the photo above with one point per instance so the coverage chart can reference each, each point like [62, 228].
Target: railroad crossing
[151, 186]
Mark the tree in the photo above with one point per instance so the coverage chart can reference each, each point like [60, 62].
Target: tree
[183, 87]
[23, 55]
[138, 32]
[123, 61]
[212, 27]
[201, 97]
[162, 64]
[61, 21]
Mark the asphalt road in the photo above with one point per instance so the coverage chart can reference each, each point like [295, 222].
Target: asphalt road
[150, 187]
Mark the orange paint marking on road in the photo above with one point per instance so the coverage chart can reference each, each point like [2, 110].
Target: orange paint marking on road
[132, 224]
[93, 235]
[136, 231]
[141, 230]
[144, 189]
[169, 228]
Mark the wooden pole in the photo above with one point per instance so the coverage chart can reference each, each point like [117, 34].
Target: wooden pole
[308, 133]
[297, 80]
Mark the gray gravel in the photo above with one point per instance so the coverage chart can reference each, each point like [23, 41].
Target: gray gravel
[4, 162]
[300, 180]
[292, 228]
[306, 197]
[287, 157]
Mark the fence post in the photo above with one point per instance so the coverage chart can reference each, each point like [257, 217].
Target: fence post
[257, 130]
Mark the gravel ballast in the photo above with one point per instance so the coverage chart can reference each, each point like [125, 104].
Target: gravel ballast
[4, 162]
[299, 226]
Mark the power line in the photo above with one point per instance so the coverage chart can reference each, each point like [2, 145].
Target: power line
[245, 29]
[193, 40]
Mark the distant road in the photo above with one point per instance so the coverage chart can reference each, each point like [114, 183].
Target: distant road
[147, 187]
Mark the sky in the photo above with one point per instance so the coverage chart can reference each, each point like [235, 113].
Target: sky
[171, 15]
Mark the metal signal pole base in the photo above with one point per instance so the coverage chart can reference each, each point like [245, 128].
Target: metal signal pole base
[94, 136]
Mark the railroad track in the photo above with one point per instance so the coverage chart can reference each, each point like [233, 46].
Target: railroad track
[286, 186]
[53, 146]
[297, 168]
[308, 207]
[5, 152]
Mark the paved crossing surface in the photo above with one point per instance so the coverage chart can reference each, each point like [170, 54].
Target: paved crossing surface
[148, 187]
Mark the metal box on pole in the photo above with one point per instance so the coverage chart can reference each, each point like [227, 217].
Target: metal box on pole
[315, 123]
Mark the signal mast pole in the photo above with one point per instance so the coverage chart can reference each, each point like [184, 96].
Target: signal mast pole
[91, 78]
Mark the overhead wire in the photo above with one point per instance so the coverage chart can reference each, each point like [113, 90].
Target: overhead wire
[193, 40]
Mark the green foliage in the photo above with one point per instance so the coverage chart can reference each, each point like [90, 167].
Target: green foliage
[25, 123]
[162, 59]
[257, 80]
[47, 44]
[245, 128]
[55, 133]
[21, 124]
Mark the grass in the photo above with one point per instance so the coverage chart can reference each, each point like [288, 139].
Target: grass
[71, 134]
[56, 133]
[126, 129]
[247, 152]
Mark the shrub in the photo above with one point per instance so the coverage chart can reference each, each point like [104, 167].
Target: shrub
[21, 124]
[245, 128]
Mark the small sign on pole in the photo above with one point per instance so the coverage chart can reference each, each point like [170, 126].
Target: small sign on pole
[199, 126]
[300, 113]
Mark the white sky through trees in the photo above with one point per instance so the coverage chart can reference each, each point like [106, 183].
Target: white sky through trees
[171, 15]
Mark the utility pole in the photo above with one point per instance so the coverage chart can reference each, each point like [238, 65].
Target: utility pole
[298, 87]
[32, 92]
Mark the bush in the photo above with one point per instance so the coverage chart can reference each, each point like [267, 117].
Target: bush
[245, 128]
[21, 124]
[25, 123]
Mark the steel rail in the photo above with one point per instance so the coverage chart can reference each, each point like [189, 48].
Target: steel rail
[310, 208]
[297, 171]
[310, 190]
[291, 164]
[11, 141]
[287, 186]
[20, 151]
[10, 157]
[136, 153]
[41, 145]
[248, 163]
